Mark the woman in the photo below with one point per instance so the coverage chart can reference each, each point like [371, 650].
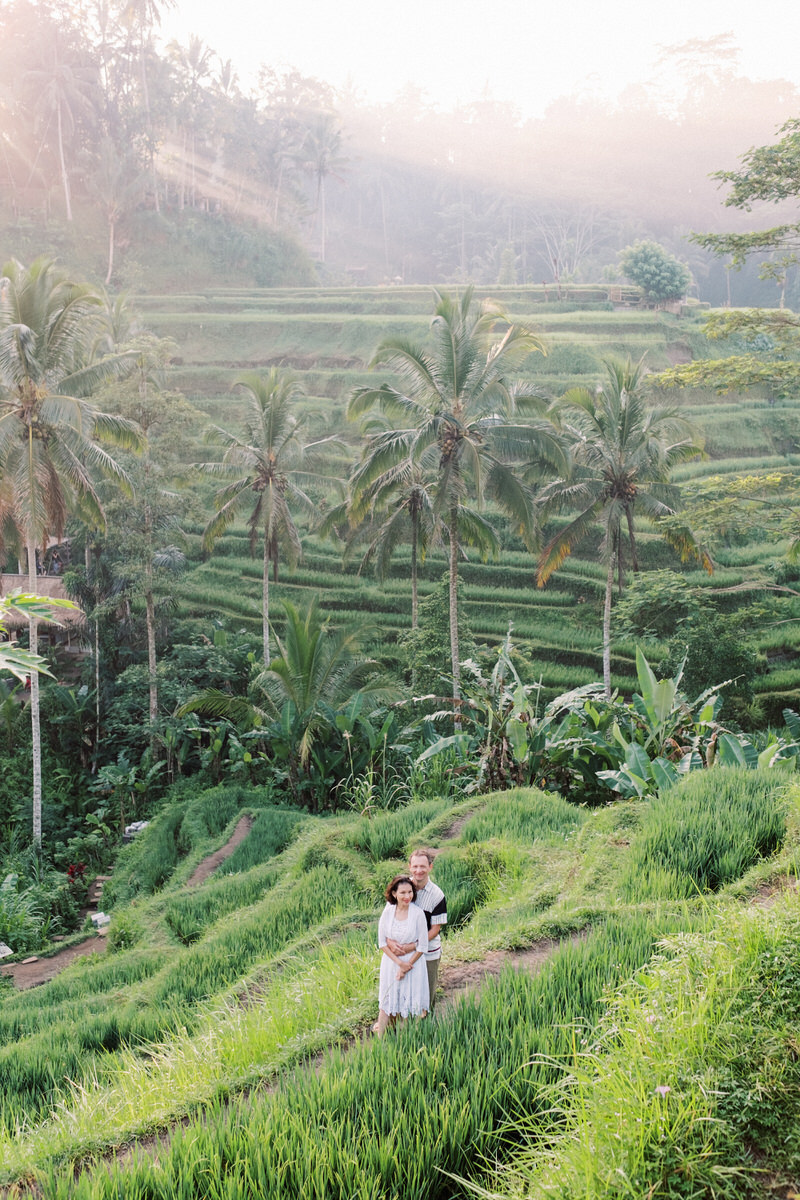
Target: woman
[404, 978]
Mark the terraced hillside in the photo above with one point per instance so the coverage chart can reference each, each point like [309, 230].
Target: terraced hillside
[194, 1055]
[328, 337]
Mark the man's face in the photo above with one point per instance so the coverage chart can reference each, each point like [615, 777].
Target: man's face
[420, 870]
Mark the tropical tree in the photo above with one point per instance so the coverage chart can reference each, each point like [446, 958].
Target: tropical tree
[308, 702]
[193, 65]
[624, 448]
[391, 504]
[660, 275]
[62, 92]
[148, 534]
[269, 468]
[49, 431]
[322, 157]
[141, 18]
[465, 422]
[116, 183]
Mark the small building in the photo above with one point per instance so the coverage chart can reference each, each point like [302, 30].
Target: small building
[65, 632]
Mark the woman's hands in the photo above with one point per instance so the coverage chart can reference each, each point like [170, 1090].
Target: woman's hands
[400, 947]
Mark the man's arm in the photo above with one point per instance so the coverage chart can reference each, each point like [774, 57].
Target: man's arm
[407, 947]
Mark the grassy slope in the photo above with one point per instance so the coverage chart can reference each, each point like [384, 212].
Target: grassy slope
[328, 336]
[212, 990]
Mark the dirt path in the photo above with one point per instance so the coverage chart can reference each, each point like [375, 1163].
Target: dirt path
[769, 892]
[209, 865]
[462, 979]
[30, 975]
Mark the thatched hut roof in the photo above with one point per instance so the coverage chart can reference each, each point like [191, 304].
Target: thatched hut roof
[46, 585]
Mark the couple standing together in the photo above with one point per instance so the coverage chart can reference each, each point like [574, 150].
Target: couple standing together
[409, 938]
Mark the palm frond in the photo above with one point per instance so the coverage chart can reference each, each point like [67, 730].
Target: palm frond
[564, 542]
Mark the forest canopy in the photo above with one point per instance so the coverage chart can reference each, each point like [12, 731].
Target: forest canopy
[103, 126]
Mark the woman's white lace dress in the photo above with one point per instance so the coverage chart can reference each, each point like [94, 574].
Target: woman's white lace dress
[406, 997]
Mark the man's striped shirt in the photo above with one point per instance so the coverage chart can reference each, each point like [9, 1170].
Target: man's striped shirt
[432, 902]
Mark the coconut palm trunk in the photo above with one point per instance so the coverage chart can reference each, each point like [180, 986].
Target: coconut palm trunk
[87, 562]
[152, 677]
[36, 737]
[454, 648]
[607, 627]
[112, 224]
[414, 569]
[265, 598]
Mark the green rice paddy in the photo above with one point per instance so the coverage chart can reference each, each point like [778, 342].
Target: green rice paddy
[328, 337]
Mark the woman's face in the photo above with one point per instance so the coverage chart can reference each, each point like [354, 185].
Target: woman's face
[404, 893]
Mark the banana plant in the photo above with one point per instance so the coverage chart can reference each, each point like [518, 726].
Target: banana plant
[685, 736]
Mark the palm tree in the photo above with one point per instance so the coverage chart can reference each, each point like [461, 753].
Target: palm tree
[49, 432]
[63, 91]
[269, 467]
[142, 17]
[390, 503]
[193, 65]
[117, 184]
[465, 422]
[317, 676]
[321, 152]
[624, 448]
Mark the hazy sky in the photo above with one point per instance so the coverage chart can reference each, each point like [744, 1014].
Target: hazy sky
[520, 50]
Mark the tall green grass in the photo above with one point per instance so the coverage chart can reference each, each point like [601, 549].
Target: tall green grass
[523, 816]
[690, 1086]
[705, 832]
[397, 1117]
[272, 831]
[255, 934]
[191, 913]
[391, 835]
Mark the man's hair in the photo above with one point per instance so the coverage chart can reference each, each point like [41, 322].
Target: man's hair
[391, 888]
[423, 853]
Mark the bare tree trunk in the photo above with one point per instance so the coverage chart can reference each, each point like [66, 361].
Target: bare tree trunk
[150, 619]
[36, 737]
[383, 223]
[632, 539]
[278, 192]
[182, 192]
[111, 227]
[607, 627]
[322, 217]
[414, 590]
[64, 175]
[414, 570]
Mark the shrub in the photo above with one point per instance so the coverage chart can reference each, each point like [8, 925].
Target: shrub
[657, 272]
[715, 650]
[21, 915]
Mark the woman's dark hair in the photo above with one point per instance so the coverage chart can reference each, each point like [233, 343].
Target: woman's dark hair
[391, 888]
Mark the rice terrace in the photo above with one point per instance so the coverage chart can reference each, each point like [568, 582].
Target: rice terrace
[399, 620]
[227, 1020]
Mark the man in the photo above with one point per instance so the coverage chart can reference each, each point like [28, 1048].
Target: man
[430, 899]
